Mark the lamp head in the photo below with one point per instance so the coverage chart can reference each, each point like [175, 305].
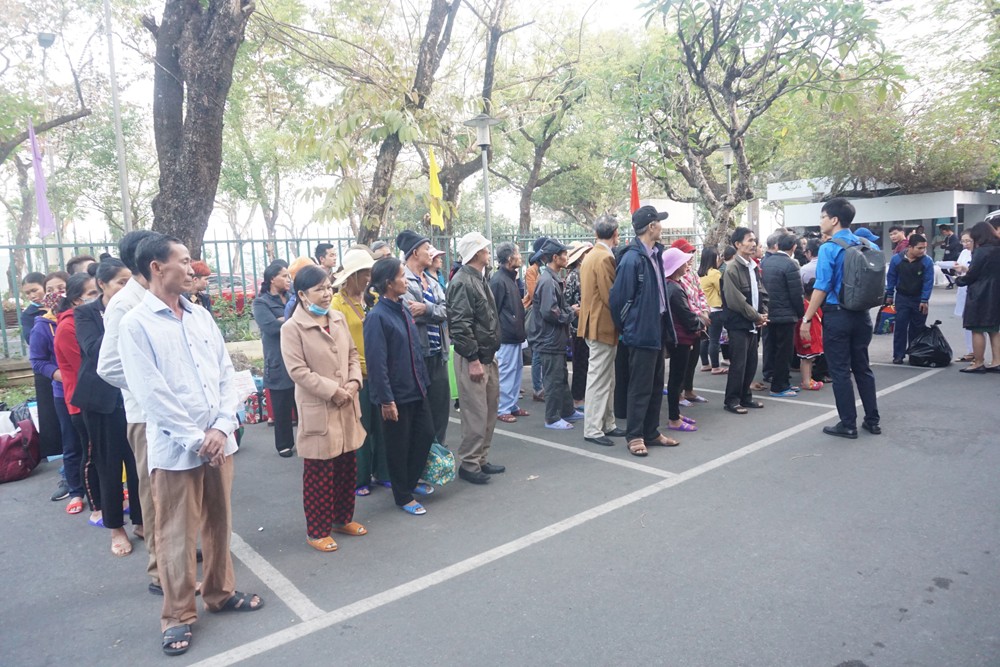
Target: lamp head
[46, 39]
[482, 123]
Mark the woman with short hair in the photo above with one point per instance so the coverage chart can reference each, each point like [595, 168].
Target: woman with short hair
[269, 314]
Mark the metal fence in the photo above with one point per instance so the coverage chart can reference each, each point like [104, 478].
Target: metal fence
[238, 261]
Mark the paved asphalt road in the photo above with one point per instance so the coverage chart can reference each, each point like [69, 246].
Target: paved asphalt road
[759, 541]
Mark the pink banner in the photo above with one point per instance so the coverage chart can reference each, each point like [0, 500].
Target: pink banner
[46, 223]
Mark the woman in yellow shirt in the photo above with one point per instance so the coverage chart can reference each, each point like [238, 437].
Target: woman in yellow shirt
[711, 285]
[351, 283]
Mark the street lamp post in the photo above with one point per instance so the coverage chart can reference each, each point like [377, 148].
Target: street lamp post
[482, 123]
[727, 159]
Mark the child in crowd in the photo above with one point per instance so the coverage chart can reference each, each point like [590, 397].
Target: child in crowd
[808, 352]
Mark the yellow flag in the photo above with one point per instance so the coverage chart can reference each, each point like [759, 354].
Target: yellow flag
[437, 217]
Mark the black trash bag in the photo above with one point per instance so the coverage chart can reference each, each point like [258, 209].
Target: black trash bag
[930, 348]
[20, 412]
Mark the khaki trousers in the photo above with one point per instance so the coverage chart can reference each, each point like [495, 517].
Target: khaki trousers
[599, 403]
[188, 501]
[137, 441]
[478, 402]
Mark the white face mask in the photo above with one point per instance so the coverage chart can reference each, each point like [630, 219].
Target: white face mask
[90, 300]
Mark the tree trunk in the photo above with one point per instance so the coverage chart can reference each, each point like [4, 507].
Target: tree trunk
[23, 233]
[196, 45]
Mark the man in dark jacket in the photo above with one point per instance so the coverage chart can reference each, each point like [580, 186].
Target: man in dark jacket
[510, 310]
[549, 335]
[952, 246]
[744, 300]
[639, 310]
[475, 333]
[784, 309]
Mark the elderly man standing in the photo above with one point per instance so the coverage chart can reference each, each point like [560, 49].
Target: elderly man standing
[639, 310]
[475, 333]
[785, 308]
[597, 275]
[176, 364]
[426, 301]
[744, 299]
[510, 309]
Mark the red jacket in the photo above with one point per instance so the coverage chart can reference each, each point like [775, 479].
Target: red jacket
[68, 356]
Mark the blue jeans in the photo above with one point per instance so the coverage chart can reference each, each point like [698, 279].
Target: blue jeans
[536, 372]
[710, 346]
[511, 369]
[909, 322]
[846, 336]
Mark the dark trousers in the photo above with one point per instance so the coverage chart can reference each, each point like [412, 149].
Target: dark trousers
[621, 381]
[742, 366]
[767, 357]
[72, 450]
[680, 359]
[782, 345]
[558, 400]
[283, 408]
[91, 482]
[49, 439]
[109, 434]
[909, 322]
[407, 443]
[689, 368]
[846, 336]
[328, 493]
[581, 361]
[439, 394]
[371, 457]
[645, 393]
[710, 345]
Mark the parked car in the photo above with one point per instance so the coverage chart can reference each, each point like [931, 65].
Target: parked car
[233, 288]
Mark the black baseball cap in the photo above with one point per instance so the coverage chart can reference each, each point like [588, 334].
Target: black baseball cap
[645, 215]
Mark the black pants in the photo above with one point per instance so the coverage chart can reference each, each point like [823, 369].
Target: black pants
[782, 345]
[558, 400]
[767, 368]
[710, 345]
[407, 443]
[621, 381]
[72, 450]
[846, 336]
[109, 433]
[645, 393]
[694, 351]
[91, 481]
[909, 322]
[439, 394]
[49, 438]
[581, 361]
[680, 360]
[283, 407]
[742, 366]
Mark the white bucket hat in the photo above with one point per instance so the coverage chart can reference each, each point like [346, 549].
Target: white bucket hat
[356, 259]
[470, 244]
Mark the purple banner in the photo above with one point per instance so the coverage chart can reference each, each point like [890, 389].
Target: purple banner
[46, 223]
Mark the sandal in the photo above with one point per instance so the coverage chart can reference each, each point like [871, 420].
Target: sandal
[353, 528]
[735, 409]
[75, 506]
[382, 482]
[139, 532]
[521, 413]
[244, 602]
[688, 420]
[96, 523]
[663, 441]
[120, 546]
[705, 369]
[697, 399]
[322, 543]
[637, 447]
[363, 491]
[507, 419]
[967, 357]
[720, 371]
[979, 370]
[813, 385]
[414, 508]
[684, 426]
[176, 635]
[756, 405]
[423, 489]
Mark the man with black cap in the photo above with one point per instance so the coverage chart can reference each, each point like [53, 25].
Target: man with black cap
[530, 280]
[639, 310]
[426, 301]
[549, 335]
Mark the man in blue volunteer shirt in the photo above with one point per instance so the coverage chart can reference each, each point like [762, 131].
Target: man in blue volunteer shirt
[846, 333]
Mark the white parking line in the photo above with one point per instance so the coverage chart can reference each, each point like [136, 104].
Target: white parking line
[624, 463]
[295, 599]
[792, 401]
[420, 584]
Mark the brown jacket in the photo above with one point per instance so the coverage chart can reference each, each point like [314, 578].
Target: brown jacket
[319, 363]
[597, 274]
[530, 280]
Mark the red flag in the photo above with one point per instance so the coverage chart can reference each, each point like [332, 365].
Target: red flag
[635, 190]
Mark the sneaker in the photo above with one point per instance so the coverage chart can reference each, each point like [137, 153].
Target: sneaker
[575, 417]
[561, 425]
[61, 492]
[788, 393]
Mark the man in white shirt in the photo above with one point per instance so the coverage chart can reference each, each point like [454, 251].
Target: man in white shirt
[176, 364]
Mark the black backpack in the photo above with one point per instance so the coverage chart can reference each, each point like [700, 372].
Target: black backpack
[863, 286]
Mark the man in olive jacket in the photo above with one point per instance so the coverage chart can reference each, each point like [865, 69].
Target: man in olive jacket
[784, 309]
[744, 301]
[475, 334]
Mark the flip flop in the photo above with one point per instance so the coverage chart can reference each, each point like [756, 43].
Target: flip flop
[688, 420]
[353, 529]
[75, 506]
[244, 602]
[697, 399]
[381, 482]
[176, 635]
[416, 509]
[683, 427]
[97, 523]
[719, 371]
[363, 491]
[423, 489]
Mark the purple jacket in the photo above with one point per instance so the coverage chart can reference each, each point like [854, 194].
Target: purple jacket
[42, 352]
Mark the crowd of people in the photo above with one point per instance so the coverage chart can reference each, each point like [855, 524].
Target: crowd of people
[132, 373]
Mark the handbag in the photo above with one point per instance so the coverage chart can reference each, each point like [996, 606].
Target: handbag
[19, 453]
[885, 321]
[440, 468]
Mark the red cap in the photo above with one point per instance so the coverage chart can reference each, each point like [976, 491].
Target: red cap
[683, 246]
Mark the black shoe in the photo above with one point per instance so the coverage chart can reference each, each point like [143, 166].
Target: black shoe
[602, 440]
[897, 360]
[285, 453]
[477, 477]
[155, 589]
[61, 492]
[492, 468]
[871, 427]
[841, 431]
[616, 433]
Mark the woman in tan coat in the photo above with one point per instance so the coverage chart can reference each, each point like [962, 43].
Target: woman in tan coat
[322, 360]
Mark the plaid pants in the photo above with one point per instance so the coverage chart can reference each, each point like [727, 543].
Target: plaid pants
[328, 493]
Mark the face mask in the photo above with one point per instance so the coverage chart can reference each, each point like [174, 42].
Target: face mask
[316, 310]
[90, 300]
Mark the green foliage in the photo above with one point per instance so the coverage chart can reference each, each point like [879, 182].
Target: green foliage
[235, 326]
